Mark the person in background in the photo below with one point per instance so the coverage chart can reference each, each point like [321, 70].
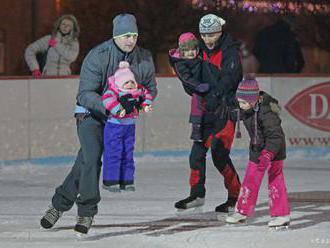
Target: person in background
[278, 50]
[59, 49]
[260, 113]
[249, 62]
[81, 186]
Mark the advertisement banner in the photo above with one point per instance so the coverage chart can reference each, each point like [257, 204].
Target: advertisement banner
[305, 110]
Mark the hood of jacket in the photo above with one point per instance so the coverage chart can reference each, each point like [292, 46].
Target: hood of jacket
[269, 102]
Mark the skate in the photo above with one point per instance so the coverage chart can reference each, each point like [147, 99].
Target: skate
[50, 218]
[112, 188]
[279, 223]
[235, 218]
[83, 224]
[128, 187]
[227, 207]
[190, 202]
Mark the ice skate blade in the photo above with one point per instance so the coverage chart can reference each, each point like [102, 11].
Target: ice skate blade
[237, 224]
[223, 216]
[188, 211]
[283, 227]
[84, 236]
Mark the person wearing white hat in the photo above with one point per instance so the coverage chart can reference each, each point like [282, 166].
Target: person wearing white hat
[220, 50]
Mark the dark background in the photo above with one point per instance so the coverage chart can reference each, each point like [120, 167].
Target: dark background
[160, 22]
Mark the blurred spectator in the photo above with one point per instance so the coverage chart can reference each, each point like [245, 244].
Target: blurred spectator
[277, 49]
[249, 62]
[53, 54]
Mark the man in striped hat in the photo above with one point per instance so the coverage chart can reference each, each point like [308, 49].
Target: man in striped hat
[220, 50]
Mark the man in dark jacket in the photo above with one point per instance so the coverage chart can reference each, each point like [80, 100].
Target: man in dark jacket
[277, 49]
[220, 50]
[81, 186]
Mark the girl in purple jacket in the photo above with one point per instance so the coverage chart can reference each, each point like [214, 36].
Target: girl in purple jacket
[123, 99]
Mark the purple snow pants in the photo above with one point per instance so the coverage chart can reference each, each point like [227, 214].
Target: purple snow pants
[278, 198]
[118, 162]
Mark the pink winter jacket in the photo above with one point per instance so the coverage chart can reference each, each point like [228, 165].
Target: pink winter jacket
[111, 96]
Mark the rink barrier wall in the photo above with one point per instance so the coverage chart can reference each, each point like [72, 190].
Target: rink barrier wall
[37, 116]
[182, 157]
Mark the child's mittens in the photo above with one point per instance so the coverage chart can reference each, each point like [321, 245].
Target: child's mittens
[127, 103]
[265, 158]
[122, 113]
[203, 88]
[147, 108]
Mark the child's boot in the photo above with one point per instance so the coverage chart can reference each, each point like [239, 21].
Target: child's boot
[236, 218]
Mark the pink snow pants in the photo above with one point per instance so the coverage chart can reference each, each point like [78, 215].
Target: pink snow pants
[278, 198]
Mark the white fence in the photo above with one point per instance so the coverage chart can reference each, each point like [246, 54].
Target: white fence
[37, 116]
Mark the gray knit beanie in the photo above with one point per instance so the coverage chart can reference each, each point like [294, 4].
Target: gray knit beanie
[211, 24]
[124, 24]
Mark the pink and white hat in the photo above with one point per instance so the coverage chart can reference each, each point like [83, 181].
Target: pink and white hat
[123, 75]
[187, 41]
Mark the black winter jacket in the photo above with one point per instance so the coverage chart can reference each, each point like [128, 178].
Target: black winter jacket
[194, 72]
[264, 127]
[226, 57]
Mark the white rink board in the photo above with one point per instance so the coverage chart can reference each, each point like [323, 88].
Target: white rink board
[37, 117]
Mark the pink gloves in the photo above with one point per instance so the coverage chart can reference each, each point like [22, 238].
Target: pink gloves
[265, 158]
[52, 42]
[36, 73]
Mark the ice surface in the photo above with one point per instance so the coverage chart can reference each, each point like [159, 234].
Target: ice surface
[146, 218]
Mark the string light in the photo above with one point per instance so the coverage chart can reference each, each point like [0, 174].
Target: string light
[279, 7]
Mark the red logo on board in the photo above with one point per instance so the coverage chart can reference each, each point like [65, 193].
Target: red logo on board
[312, 106]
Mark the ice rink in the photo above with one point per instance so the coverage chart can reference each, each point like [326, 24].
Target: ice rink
[146, 218]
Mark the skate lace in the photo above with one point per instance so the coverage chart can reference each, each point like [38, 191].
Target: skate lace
[52, 215]
[84, 221]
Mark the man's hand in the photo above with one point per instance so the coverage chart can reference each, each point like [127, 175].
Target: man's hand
[147, 108]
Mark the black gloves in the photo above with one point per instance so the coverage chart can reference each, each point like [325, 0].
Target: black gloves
[128, 103]
[138, 102]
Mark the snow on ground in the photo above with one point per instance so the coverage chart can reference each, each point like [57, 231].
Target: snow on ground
[147, 218]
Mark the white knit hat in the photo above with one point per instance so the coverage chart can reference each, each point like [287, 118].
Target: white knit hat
[211, 24]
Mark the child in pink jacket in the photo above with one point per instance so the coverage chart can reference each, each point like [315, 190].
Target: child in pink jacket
[124, 99]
